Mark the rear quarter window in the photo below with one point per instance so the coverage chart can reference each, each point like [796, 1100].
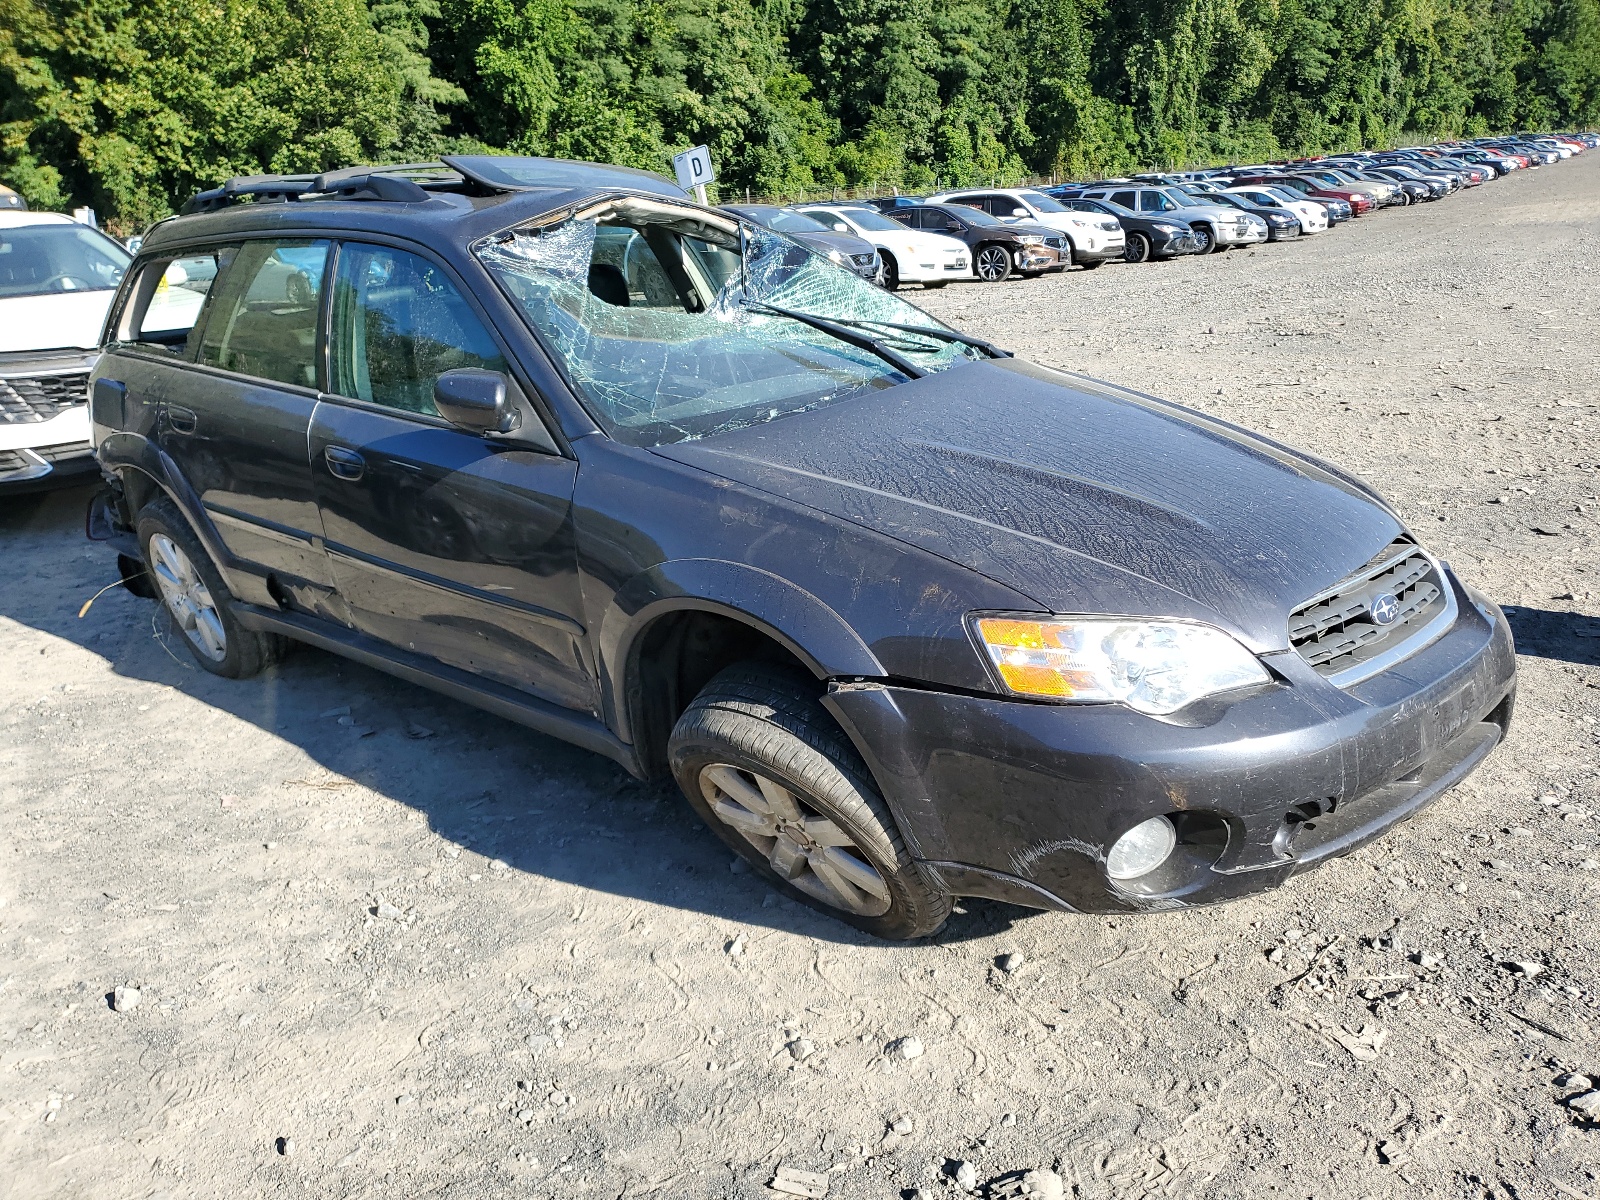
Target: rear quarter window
[167, 299]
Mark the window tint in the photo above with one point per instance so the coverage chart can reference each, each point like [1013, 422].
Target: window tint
[1123, 198]
[263, 318]
[399, 323]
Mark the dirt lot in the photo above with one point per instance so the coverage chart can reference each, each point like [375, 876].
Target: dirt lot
[389, 946]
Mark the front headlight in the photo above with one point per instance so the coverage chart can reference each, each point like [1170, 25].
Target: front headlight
[1030, 239]
[1154, 667]
[835, 256]
[1165, 228]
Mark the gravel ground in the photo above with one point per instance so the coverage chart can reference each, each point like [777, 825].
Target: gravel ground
[386, 945]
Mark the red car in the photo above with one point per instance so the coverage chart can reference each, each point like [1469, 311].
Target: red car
[1360, 203]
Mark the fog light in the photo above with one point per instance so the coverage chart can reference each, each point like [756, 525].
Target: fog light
[1142, 849]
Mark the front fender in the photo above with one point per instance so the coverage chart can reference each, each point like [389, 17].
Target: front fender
[818, 636]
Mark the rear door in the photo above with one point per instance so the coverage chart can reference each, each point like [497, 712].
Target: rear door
[236, 417]
[445, 543]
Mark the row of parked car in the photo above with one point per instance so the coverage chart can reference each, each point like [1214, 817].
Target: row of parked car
[990, 234]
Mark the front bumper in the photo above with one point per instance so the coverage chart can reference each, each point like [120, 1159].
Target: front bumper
[1021, 802]
[42, 454]
[1236, 235]
[1178, 243]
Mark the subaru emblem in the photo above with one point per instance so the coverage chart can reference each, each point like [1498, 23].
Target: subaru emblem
[1384, 609]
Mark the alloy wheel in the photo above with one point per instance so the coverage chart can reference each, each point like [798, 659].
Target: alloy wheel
[994, 264]
[187, 598]
[809, 851]
[1136, 249]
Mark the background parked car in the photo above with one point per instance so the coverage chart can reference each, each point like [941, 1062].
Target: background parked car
[930, 259]
[1313, 217]
[846, 249]
[1091, 240]
[1213, 226]
[994, 246]
[1148, 237]
[57, 279]
[1281, 224]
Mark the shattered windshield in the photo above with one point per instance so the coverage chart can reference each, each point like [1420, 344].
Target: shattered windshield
[664, 319]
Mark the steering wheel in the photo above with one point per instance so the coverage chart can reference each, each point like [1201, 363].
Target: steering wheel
[67, 283]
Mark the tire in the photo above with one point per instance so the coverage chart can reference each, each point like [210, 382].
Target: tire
[197, 601]
[1093, 263]
[1137, 248]
[992, 263]
[889, 280]
[935, 286]
[756, 751]
[1208, 240]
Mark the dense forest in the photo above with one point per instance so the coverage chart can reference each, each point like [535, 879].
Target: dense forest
[132, 105]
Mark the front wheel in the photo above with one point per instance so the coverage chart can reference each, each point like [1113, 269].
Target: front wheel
[1092, 264]
[888, 272]
[768, 769]
[1136, 249]
[993, 263]
[1207, 239]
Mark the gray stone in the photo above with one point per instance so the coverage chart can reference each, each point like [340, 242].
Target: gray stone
[1581, 1083]
[388, 912]
[965, 1175]
[1043, 1185]
[801, 1049]
[1588, 1104]
[1525, 969]
[902, 1125]
[1010, 962]
[739, 867]
[125, 997]
[906, 1048]
[1007, 1120]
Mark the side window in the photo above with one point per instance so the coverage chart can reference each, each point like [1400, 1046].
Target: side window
[168, 298]
[1123, 198]
[398, 324]
[263, 319]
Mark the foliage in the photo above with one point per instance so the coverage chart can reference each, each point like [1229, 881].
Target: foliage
[131, 106]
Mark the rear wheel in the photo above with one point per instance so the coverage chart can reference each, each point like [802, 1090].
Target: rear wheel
[196, 599]
[993, 263]
[1136, 249]
[766, 767]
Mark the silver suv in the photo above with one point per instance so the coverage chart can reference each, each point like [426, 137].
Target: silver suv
[1214, 227]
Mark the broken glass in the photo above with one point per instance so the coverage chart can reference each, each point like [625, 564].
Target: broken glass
[647, 306]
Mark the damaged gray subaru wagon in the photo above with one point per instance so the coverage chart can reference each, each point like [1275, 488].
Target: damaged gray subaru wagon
[906, 617]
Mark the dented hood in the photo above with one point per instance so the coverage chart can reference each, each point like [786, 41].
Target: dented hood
[1088, 498]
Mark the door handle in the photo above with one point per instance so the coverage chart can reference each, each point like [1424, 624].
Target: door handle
[182, 420]
[344, 464]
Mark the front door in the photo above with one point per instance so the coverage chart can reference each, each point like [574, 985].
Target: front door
[235, 419]
[445, 543]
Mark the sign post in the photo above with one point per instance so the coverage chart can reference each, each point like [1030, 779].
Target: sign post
[694, 171]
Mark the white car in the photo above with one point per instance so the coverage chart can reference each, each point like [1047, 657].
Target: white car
[908, 255]
[1312, 216]
[1092, 238]
[57, 279]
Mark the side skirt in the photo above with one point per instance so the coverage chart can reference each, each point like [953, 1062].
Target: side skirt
[580, 729]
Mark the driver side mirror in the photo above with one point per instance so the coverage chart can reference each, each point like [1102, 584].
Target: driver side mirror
[840, 227]
[476, 400]
[1020, 212]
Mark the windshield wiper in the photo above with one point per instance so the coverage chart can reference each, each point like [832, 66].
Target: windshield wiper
[946, 335]
[836, 329]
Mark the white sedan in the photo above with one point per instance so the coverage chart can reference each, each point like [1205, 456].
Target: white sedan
[909, 255]
[1312, 216]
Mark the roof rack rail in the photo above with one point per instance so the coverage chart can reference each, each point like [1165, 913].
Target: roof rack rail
[396, 183]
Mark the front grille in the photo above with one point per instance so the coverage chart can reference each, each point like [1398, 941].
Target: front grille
[12, 460]
[25, 399]
[1337, 632]
[66, 450]
[863, 260]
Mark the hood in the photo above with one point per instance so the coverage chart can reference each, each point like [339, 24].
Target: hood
[54, 321]
[1088, 498]
[847, 244]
